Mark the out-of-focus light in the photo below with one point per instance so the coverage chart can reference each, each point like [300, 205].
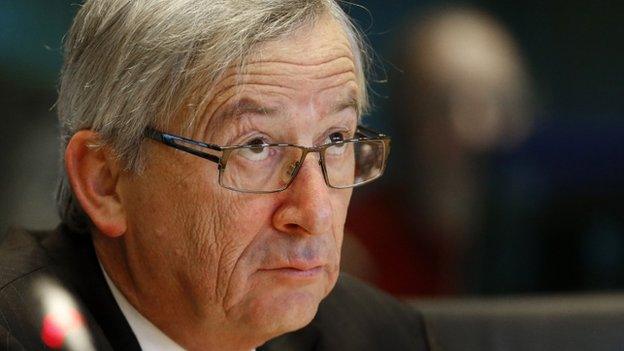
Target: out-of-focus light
[63, 326]
[56, 327]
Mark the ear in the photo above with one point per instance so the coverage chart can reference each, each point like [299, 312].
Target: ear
[93, 172]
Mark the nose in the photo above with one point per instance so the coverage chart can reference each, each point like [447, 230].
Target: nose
[306, 207]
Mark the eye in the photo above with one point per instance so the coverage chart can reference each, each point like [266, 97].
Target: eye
[257, 151]
[258, 142]
[335, 137]
[338, 148]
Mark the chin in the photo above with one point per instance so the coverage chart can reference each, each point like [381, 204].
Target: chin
[280, 310]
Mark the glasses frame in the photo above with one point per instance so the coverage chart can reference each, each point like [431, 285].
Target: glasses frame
[363, 134]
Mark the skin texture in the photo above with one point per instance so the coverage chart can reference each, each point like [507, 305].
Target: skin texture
[214, 268]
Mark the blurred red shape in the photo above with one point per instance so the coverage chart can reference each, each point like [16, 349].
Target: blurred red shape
[57, 326]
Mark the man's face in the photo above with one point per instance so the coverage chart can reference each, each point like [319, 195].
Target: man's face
[256, 262]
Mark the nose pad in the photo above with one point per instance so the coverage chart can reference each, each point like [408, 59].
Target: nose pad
[293, 168]
[289, 170]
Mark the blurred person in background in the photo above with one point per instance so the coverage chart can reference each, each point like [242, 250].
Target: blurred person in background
[209, 150]
[460, 94]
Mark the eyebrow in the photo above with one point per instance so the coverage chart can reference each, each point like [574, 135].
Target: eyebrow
[343, 104]
[248, 105]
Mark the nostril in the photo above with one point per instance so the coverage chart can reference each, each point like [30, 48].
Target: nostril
[291, 227]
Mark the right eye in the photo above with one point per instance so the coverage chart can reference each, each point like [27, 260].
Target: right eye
[255, 151]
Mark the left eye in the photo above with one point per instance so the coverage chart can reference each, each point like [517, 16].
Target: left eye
[255, 153]
[335, 137]
[338, 148]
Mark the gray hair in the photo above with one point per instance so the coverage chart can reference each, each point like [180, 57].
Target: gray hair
[133, 63]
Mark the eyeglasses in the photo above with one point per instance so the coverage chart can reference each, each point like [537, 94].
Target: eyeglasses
[269, 168]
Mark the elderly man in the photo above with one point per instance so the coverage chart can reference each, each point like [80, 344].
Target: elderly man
[210, 148]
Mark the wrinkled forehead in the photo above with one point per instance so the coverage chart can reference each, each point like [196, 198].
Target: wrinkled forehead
[312, 43]
[313, 51]
[317, 54]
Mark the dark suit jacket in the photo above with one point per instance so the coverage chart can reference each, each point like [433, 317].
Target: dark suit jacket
[353, 317]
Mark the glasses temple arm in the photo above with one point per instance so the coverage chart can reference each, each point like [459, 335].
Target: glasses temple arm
[169, 139]
[368, 132]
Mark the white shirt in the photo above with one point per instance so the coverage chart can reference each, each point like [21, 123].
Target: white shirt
[148, 335]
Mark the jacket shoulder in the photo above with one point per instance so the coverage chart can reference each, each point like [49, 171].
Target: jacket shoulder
[20, 255]
[23, 264]
[8, 342]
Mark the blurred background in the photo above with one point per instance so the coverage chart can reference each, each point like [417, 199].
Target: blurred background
[507, 167]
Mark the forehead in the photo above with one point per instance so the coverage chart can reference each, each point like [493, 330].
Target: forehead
[311, 44]
[314, 66]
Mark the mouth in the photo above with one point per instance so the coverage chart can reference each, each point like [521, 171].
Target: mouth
[296, 272]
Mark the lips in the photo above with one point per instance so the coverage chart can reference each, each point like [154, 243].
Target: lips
[295, 275]
[297, 268]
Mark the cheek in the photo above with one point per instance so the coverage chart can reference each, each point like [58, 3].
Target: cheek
[340, 203]
[222, 228]
[190, 229]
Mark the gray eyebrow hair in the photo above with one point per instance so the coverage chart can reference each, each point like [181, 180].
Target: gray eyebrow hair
[246, 105]
[238, 107]
[349, 102]
[243, 106]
